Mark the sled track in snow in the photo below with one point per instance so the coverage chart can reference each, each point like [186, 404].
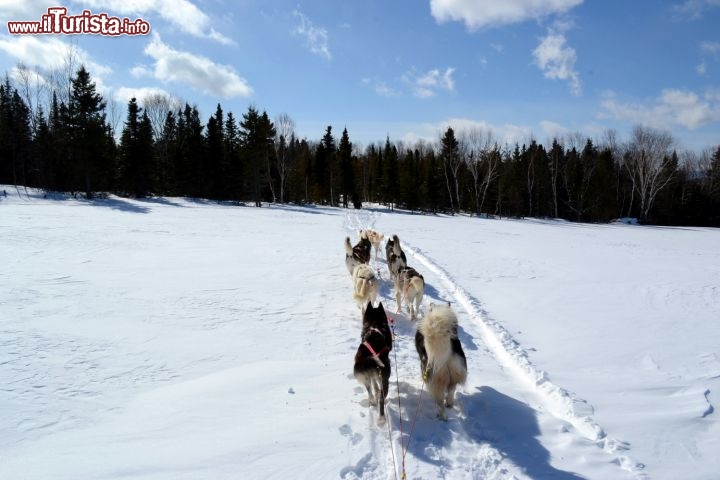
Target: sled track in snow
[507, 351]
[513, 358]
[435, 449]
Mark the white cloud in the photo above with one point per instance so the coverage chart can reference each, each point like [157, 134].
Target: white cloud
[24, 10]
[182, 14]
[672, 108]
[427, 84]
[701, 69]
[710, 47]
[382, 89]
[557, 60]
[124, 94]
[316, 38]
[695, 8]
[487, 13]
[51, 53]
[553, 129]
[140, 71]
[497, 47]
[506, 134]
[197, 71]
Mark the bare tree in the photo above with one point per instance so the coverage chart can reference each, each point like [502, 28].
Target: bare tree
[157, 106]
[114, 115]
[480, 162]
[284, 136]
[647, 161]
[61, 77]
[34, 89]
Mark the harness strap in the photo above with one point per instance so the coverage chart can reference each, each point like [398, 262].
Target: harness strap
[372, 350]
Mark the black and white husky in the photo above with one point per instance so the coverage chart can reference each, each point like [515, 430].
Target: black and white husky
[372, 360]
[358, 254]
[442, 358]
[395, 256]
[409, 288]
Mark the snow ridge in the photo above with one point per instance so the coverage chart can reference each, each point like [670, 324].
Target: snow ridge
[511, 355]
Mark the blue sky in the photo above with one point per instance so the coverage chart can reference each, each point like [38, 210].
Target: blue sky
[407, 69]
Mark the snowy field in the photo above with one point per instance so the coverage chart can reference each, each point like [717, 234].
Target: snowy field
[177, 339]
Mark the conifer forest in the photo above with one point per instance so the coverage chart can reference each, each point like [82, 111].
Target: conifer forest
[163, 147]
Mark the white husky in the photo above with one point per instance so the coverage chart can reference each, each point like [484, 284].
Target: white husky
[442, 358]
[366, 285]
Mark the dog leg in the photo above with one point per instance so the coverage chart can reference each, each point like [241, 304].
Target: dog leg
[450, 396]
[382, 396]
[372, 401]
[441, 414]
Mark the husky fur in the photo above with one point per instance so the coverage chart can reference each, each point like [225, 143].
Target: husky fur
[409, 287]
[372, 360]
[376, 239]
[366, 285]
[358, 254]
[442, 358]
[395, 256]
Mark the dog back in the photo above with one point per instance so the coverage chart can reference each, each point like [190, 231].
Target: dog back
[438, 344]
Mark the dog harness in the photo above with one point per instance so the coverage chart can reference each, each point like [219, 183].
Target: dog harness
[375, 355]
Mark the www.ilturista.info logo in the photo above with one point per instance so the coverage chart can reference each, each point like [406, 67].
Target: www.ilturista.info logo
[57, 21]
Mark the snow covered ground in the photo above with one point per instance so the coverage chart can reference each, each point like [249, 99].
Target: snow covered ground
[179, 339]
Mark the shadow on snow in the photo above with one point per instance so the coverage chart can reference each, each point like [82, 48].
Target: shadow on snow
[489, 417]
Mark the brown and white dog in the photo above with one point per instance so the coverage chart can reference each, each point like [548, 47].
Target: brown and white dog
[409, 287]
[376, 239]
[372, 360]
[395, 256]
[442, 358]
[358, 254]
[366, 285]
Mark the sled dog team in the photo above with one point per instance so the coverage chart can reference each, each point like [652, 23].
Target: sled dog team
[442, 360]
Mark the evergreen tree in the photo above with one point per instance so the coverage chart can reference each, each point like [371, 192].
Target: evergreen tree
[136, 170]
[347, 172]
[216, 169]
[190, 153]
[256, 138]
[323, 168]
[390, 173]
[87, 134]
[165, 171]
[232, 158]
[15, 137]
[451, 160]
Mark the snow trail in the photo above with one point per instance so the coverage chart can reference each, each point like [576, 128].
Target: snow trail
[512, 357]
[432, 448]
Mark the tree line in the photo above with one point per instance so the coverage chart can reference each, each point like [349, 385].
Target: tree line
[164, 148]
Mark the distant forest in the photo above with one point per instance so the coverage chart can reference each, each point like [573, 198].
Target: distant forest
[72, 141]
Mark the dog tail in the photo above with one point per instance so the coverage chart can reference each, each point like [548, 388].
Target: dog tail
[438, 327]
[396, 245]
[348, 247]
[360, 292]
